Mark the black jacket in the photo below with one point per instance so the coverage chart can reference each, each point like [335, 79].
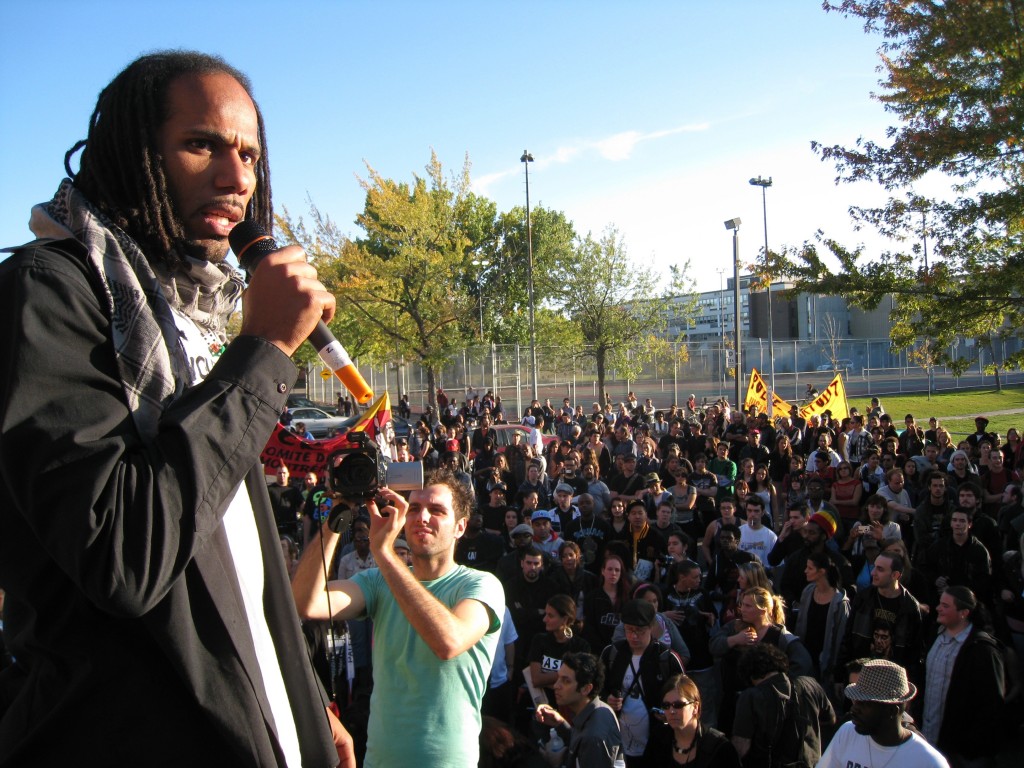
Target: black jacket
[973, 721]
[123, 607]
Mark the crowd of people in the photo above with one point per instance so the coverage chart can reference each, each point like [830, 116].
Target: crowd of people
[703, 585]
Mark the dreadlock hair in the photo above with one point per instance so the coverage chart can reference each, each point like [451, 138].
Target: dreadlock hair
[121, 171]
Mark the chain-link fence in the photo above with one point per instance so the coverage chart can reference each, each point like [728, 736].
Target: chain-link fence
[677, 370]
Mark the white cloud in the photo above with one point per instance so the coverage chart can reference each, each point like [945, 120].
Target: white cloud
[615, 148]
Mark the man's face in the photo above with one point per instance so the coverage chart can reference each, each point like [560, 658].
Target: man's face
[796, 519]
[430, 524]
[476, 522]
[815, 491]
[638, 638]
[532, 566]
[869, 717]
[966, 498]
[882, 575]
[588, 472]
[629, 466]
[637, 517]
[586, 505]
[812, 534]
[210, 146]
[728, 509]
[564, 500]
[881, 642]
[937, 488]
[688, 581]
[896, 482]
[497, 497]
[541, 528]
[995, 462]
[946, 612]
[664, 514]
[960, 525]
[362, 544]
[530, 502]
[567, 694]
[754, 513]
[283, 476]
[728, 542]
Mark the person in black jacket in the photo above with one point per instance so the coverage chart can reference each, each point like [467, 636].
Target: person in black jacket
[965, 684]
[638, 669]
[161, 578]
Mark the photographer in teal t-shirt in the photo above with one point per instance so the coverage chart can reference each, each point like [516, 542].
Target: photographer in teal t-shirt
[436, 625]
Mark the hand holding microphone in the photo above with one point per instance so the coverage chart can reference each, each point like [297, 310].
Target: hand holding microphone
[308, 301]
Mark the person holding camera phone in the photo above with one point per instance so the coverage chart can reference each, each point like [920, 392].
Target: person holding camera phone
[436, 624]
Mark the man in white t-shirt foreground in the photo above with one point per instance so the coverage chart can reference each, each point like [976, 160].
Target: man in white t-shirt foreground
[876, 735]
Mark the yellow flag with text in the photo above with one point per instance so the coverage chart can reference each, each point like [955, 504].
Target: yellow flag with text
[832, 398]
[758, 393]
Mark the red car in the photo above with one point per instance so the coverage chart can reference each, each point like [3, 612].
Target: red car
[503, 435]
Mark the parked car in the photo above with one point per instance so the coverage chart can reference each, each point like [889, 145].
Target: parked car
[319, 423]
[843, 365]
[503, 435]
[300, 401]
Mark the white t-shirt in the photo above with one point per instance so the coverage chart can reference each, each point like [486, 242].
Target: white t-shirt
[244, 546]
[634, 719]
[758, 543]
[850, 749]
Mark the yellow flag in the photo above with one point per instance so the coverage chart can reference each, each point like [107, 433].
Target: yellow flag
[833, 399]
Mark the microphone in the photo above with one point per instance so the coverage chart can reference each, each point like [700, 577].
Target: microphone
[250, 244]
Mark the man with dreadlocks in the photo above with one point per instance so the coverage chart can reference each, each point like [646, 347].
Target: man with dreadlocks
[147, 606]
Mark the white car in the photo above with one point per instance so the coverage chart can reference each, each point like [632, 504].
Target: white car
[319, 423]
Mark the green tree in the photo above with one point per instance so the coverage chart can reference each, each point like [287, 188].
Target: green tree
[614, 302]
[505, 285]
[403, 287]
[953, 73]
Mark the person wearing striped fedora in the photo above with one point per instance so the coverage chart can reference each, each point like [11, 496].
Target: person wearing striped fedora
[876, 735]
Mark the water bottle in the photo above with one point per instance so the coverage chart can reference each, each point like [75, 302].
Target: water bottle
[555, 749]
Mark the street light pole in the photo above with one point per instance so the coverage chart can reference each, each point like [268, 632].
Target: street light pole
[721, 331]
[482, 264]
[764, 184]
[526, 159]
[734, 225]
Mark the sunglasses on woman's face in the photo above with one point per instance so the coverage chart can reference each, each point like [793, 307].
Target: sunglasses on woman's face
[675, 704]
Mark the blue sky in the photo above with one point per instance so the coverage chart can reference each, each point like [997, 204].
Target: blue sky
[651, 116]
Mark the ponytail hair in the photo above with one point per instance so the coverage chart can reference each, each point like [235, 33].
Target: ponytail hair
[774, 605]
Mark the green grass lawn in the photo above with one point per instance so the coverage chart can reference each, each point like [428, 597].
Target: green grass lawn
[956, 410]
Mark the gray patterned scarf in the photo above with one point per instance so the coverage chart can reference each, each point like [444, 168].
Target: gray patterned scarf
[152, 363]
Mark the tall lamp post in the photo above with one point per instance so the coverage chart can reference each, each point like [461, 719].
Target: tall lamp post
[734, 226]
[481, 265]
[721, 331]
[526, 159]
[764, 184]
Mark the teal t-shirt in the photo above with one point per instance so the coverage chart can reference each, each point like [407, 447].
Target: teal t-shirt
[424, 711]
